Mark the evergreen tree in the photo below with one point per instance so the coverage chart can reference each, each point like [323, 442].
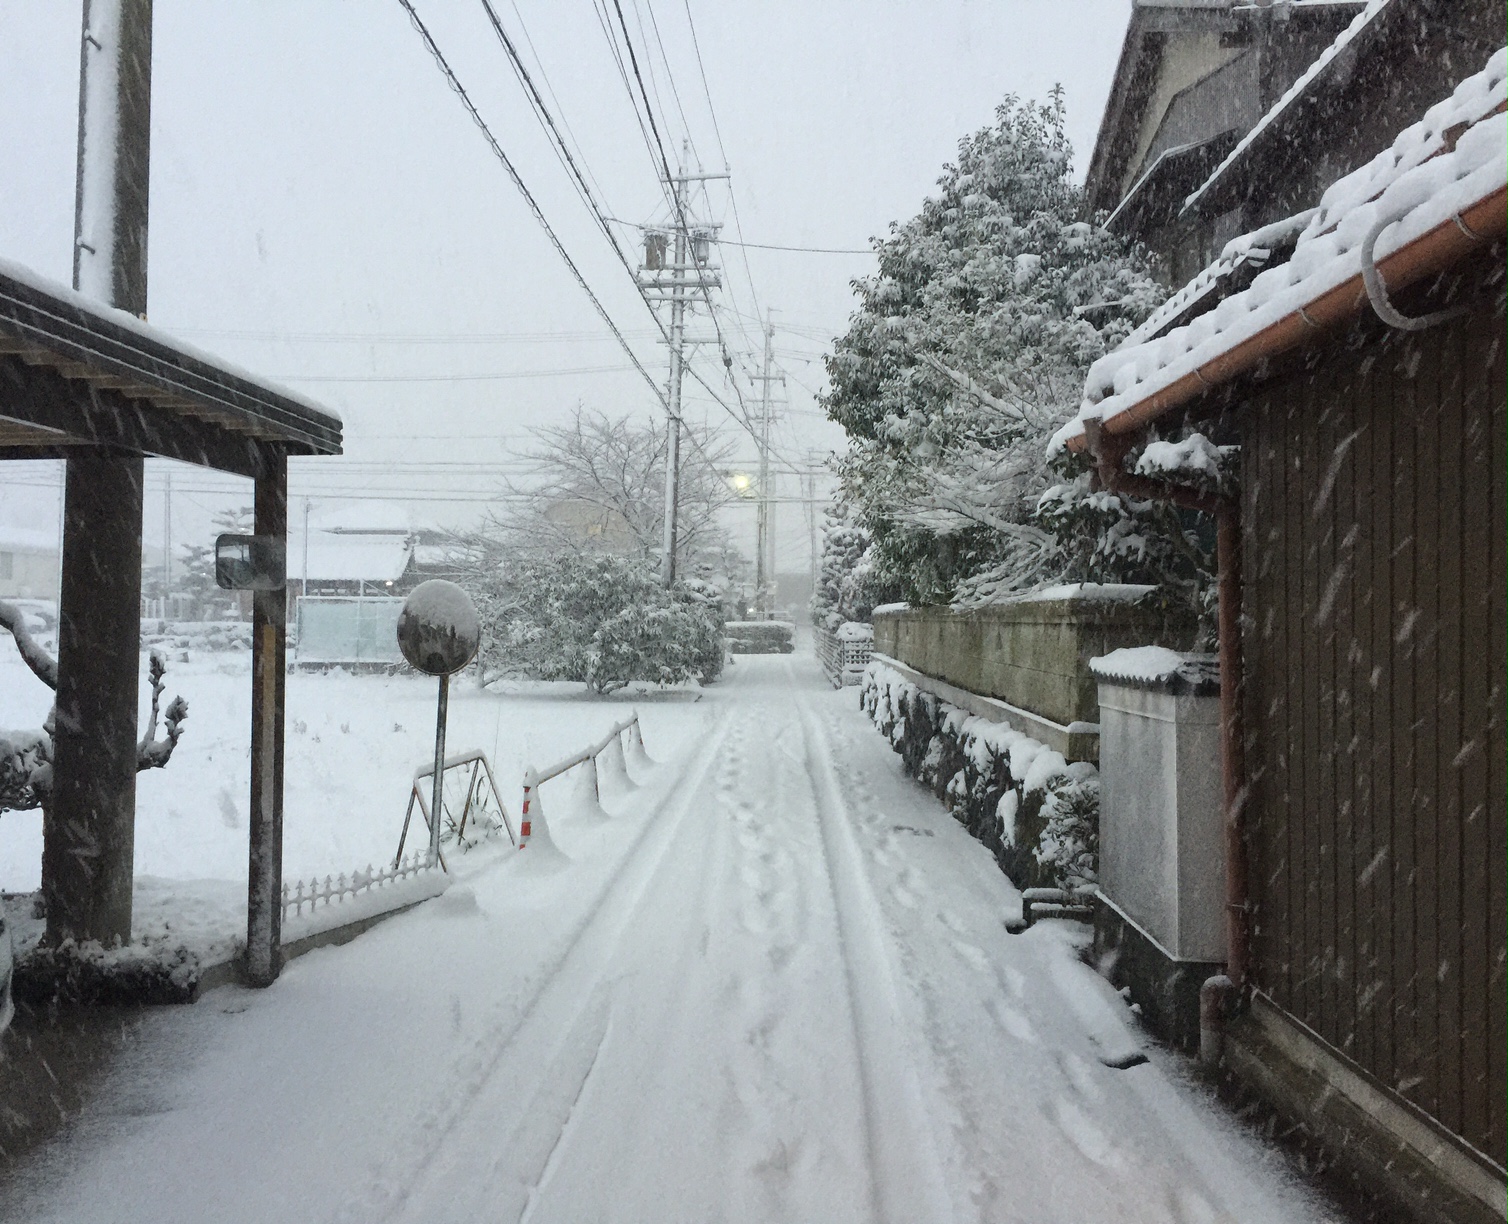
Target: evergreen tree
[968, 349]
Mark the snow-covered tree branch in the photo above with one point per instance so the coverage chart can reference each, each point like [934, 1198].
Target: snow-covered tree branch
[26, 756]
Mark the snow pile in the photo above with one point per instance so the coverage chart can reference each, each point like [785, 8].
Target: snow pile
[1295, 91]
[1422, 181]
[1038, 813]
[1196, 454]
[855, 631]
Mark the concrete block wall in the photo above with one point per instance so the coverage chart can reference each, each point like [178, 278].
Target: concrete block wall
[1033, 653]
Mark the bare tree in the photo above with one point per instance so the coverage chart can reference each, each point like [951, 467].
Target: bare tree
[598, 486]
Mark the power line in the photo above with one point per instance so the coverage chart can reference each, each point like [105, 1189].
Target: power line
[432, 378]
[557, 140]
[669, 72]
[553, 337]
[539, 216]
[806, 250]
[518, 182]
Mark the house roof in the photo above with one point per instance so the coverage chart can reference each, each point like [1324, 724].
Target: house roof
[1437, 193]
[1151, 25]
[351, 557]
[1158, 192]
[1349, 41]
[133, 387]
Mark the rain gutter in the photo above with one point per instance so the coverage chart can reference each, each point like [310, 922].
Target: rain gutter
[1109, 453]
[1433, 250]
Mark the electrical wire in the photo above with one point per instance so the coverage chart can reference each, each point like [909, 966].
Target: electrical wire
[523, 190]
[557, 139]
[433, 378]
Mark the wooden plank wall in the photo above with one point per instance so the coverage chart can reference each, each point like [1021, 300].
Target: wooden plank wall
[1374, 653]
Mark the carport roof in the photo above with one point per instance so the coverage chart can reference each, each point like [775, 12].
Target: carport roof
[74, 372]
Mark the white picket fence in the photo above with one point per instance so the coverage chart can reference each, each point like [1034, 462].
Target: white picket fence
[311, 895]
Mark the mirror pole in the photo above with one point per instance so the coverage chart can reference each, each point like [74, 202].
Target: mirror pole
[435, 810]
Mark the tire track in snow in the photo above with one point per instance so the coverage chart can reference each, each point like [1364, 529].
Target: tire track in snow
[907, 1183]
[575, 972]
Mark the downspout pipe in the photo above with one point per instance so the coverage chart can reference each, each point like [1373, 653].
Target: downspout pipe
[1108, 453]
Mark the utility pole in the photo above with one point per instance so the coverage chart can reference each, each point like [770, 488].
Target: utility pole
[687, 243]
[677, 372]
[88, 840]
[764, 562]
[811, 521]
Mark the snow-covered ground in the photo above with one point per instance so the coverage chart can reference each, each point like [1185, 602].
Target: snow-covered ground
[353, 744]
[773, 983]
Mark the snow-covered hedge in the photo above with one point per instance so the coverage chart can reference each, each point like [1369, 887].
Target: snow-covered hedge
[603, 620]
[208, 636]
[760, 637]
[1037, 813]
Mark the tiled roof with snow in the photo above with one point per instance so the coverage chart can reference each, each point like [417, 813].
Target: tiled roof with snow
[1454, 159]
[1297, 90]
[348, 558]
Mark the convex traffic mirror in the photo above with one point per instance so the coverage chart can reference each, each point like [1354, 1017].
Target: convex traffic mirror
[250, 563]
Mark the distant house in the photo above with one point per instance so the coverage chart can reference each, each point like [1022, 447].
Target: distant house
[28, 564]
[1359, 369]
[353, 549]
[1225, 117]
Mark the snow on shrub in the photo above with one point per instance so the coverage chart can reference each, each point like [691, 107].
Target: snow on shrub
[602, 620]
[1035, 811]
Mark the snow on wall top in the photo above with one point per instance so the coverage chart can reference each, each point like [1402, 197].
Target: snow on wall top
[1160, 668]
[1418, 183]
[1092, 592]
[1301, 86]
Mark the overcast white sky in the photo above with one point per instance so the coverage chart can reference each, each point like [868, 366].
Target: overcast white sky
[322, 206]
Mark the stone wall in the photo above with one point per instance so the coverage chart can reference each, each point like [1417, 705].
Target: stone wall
[1034, 653]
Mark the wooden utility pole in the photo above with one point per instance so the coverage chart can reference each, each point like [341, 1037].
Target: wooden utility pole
[90, 830]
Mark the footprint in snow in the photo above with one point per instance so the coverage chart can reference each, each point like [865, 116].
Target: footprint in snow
[1012, 1021]
[1086, 1136]
[976, 958]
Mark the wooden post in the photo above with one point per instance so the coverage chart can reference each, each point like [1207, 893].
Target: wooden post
[90, 830]
[269, 642]
[89, 835]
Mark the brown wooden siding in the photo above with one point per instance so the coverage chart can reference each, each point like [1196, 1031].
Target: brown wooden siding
[1374, 654]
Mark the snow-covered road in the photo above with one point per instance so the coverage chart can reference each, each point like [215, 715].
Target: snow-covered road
[773, 984]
